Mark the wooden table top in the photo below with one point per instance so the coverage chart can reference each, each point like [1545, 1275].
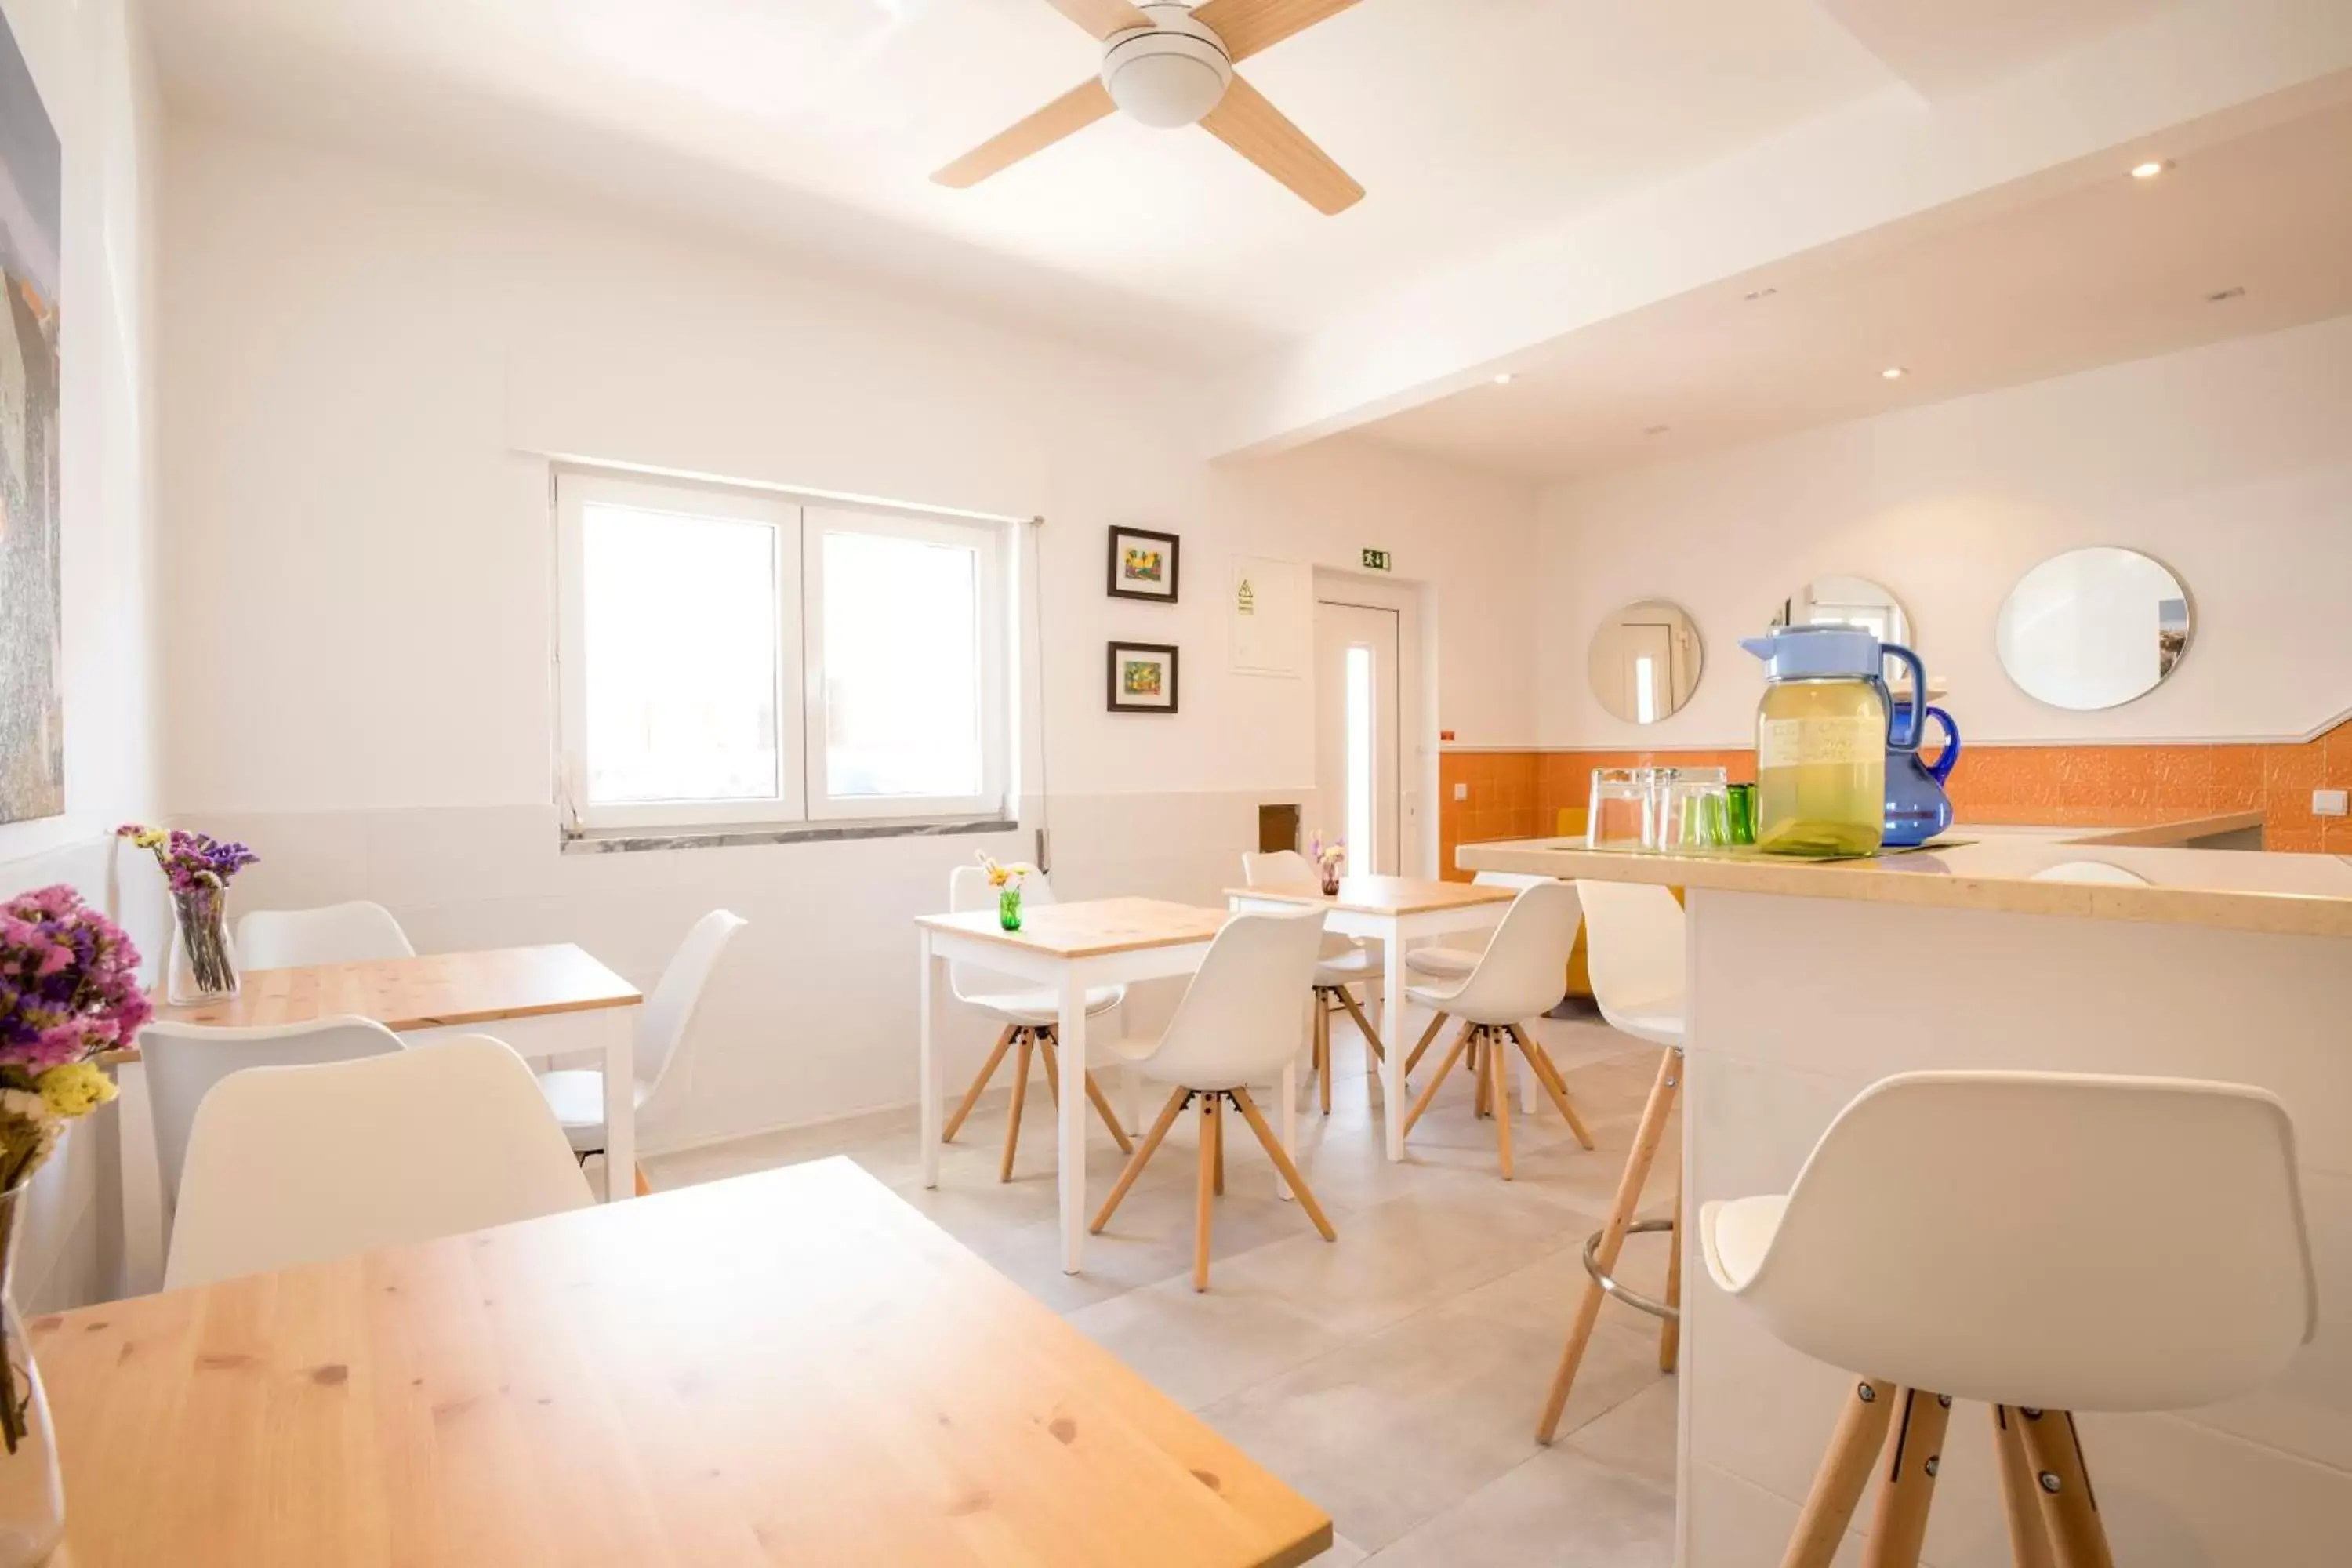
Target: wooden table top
[788, 1367]
[1089, 929]
[432, 991]
[1382, 895]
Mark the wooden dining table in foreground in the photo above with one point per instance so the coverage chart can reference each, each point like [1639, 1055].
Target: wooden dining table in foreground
[792, 1367]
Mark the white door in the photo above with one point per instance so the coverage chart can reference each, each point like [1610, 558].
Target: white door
[1356, 732]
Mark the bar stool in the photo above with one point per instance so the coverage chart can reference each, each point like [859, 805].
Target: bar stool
[1517, 977]
[1031, 1026]
[2046, 1243]
[1633, 944]
[1342, 961]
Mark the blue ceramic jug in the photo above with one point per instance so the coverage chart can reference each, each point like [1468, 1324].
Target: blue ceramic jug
[1917, 806]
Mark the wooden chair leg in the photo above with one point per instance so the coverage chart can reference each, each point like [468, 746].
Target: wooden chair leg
[2020, 1497]
[1846, 1470]
[645, 1188]
[1498, 1099]
[1217, 1142]
[1444, 1065]
[1907, 1479]
[1547, 1073]
[2069, 1507]
[979, 1084]
[1049, 1048]
[1205, 1192]
[1475, 1063]
[1372, 1036]
[1053, 1059]
[1101, 1103]
[1142, 1156]
[1612, 1237]
[1421, 1047]
[1026, 1038]
[1670, 1329]
[1323, 1056]
[1282, 1163]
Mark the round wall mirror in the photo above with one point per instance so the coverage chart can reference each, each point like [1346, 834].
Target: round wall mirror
[1646, 662]
[1855, 602]
[2094, 628]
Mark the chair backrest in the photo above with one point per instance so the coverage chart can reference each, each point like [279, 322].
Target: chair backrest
[297, 1164]
[668, 1013]
[334, 933]
[2048, 1240]
[1273, 868]
[183, 1061]
[1633, 948]
[1242, 1015]
[968, 890]
[1524, 969]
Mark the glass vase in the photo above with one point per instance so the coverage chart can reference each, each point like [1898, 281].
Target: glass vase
[1331, 871]
[32, 1488]
[203, 961]
[1008, 908]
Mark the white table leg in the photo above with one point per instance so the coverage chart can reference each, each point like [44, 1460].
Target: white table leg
[620, 1103]
[1072, 1117]
[143, 1188]
[1395, 1040]
[932, 987]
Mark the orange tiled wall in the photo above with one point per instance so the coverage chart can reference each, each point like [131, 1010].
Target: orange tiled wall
[1517, 795]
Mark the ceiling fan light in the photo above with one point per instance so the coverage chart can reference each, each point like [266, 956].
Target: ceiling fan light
[1167, 75]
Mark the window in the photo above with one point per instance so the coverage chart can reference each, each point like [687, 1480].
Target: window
[728, 658]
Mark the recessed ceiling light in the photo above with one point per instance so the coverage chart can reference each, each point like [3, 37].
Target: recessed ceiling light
[1895, 372]
[2223, 295]
[1756, 294]
[1656, 429]
[2146, 171]
[1507, 378]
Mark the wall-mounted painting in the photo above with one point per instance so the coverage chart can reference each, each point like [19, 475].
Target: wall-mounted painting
[1142, 566]
[32, 706]
[1142, 677]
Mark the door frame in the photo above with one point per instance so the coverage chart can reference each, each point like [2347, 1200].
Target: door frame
[1416, 703]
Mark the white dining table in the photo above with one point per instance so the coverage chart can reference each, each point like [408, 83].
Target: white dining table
[1395, 910]
[1066, 950]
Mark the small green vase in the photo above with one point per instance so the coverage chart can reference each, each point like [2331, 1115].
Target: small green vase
[1008, 908]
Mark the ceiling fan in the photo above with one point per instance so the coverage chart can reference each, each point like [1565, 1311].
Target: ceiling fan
[1169, 64]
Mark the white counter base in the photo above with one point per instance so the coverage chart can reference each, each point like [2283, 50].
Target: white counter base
[1797, 1003]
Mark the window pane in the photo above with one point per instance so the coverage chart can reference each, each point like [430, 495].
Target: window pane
[902, 677]
[680, 638]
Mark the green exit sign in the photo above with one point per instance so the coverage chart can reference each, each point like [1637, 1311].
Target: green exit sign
[1376, 559]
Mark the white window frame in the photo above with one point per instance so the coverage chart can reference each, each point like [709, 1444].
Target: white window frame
[800, 524]
[987, 540]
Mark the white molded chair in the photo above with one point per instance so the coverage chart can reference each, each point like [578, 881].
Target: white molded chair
[1518, 977]
[2046, 1243]
[353, 932]
[289, 1165]
[1032, 1020]
[1238, 1021]
[1633, 937]
[183, 1061]
[1343, 961]
[1447, 963]
[664, 1067]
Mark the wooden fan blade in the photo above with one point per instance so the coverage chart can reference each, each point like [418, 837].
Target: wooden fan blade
[1101, 17]
[1245, 121]
[1074, 111]
[1249, 26]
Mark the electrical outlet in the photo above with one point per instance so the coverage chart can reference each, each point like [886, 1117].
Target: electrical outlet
[2328, 802]
[1462, 791]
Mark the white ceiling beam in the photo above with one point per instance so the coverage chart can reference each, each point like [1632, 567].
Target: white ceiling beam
[2229, 63]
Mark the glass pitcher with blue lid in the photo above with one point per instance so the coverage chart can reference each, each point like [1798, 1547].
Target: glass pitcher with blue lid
[1824, 732]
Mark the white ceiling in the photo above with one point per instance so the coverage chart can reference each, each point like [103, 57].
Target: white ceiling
[2108, 269]
[1472, 123]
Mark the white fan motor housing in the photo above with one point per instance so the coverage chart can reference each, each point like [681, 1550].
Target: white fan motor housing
[1169, 74]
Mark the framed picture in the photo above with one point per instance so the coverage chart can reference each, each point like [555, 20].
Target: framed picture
[1142, 566]
[1142, 677]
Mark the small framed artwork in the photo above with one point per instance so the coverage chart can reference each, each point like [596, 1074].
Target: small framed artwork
[1142, 566]
[1142, 677]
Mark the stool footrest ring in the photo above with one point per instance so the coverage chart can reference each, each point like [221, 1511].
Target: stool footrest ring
[1617, 1289]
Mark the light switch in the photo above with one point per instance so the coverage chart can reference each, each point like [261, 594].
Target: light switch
[1462, 791]
[2328, 802]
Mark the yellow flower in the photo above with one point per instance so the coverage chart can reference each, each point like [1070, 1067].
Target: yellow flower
[74, 1090]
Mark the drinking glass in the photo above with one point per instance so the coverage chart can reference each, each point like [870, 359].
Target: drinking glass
[1740, 811]
[1619, 809]
[1697, 815]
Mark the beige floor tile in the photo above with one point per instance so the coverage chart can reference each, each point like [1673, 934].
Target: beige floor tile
[1557, 1507]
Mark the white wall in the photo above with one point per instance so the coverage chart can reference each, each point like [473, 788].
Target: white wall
[365, 369]
[2231, 464]
[90, 63]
